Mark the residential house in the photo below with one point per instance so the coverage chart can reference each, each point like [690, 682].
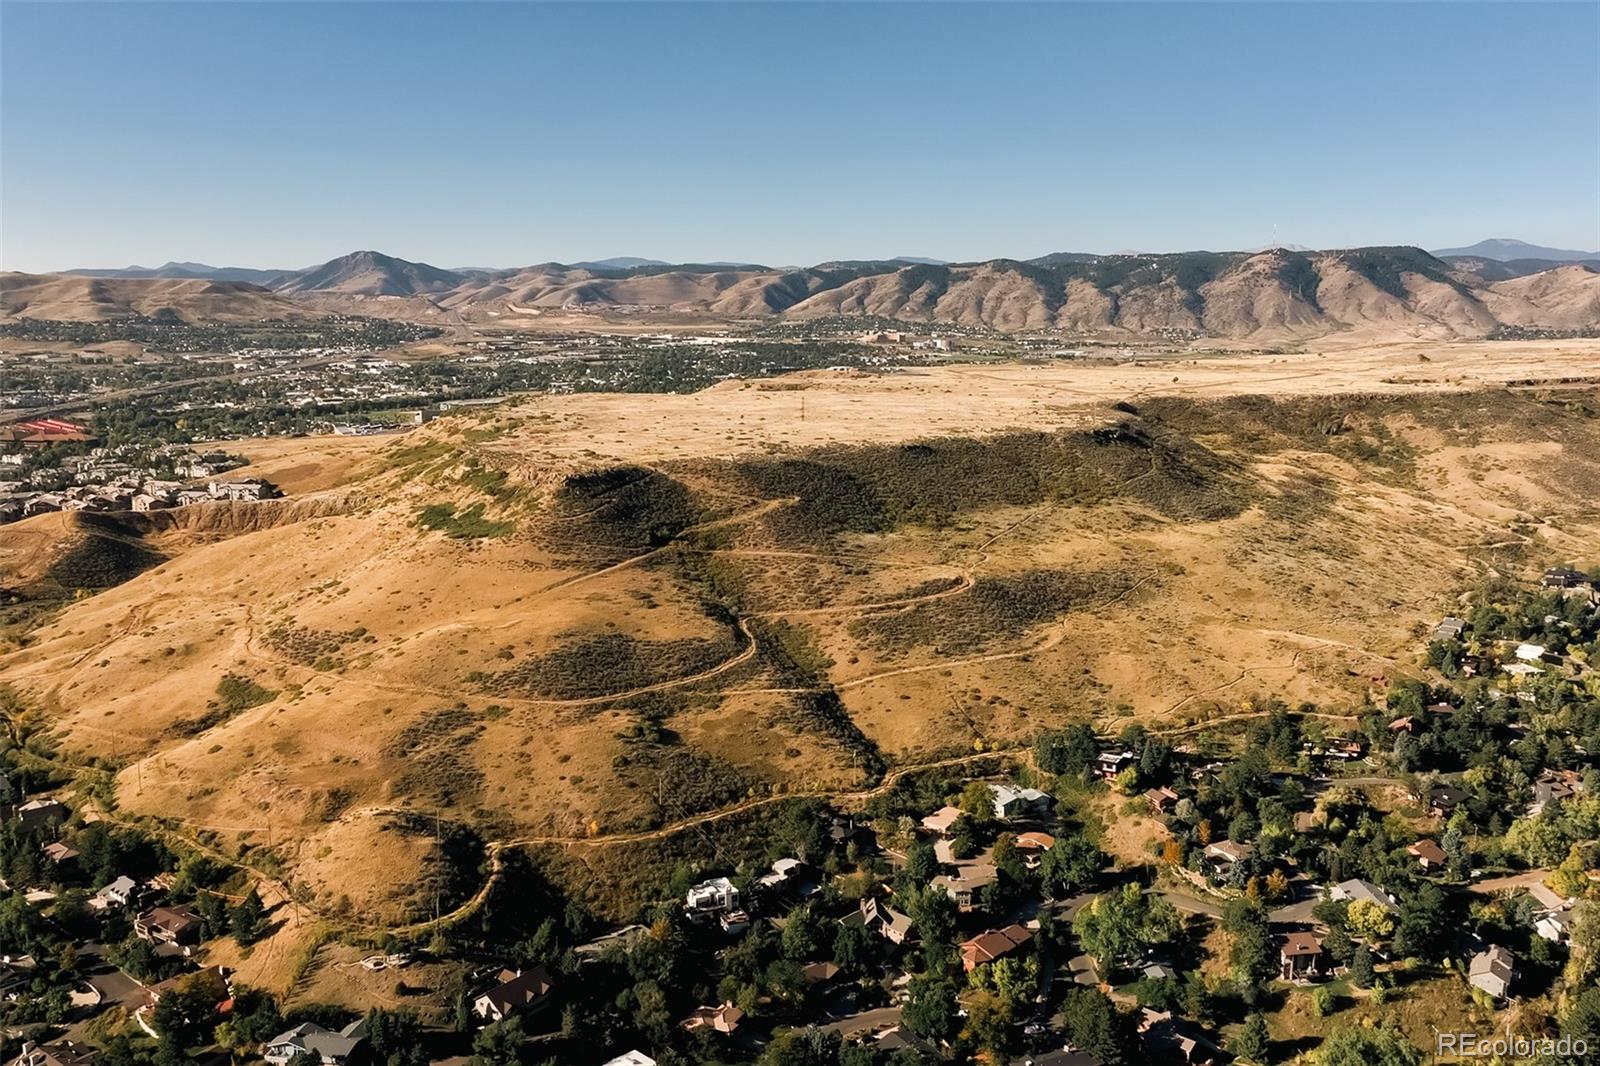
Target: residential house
[898, 1037]
[1224, 855]
[61, 1053]
[1449, 629]
[40, 814]
[724, 1019]
[1165, 1038]
[994, 944]
[819, 973]
[1343, 749]
[712, 897]
[632, 1058]
[1563, 577]
[1492, 970]
[1357, 889]
[1032, 846]
[1299, 956]
[123, 892]
[843, 830]
[624, 938]
[781, 873]
[518, 992]
[177, 925]
[878, 917]
[1428, 853]
[967, 883]
[1556, 925]
[942, 820]
[1010, 803]
[1444, 799]
[1530, 653]
[1063, 1057]
[1161, 800]
[57, 852]
[1108, 764]
[1552, 786]
[223, 977]
[334, 1048]
[1553, 919]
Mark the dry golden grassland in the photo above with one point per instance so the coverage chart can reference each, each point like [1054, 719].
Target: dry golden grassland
[595, 615]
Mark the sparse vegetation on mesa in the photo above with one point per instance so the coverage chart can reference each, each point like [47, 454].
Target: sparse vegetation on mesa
[466, 523]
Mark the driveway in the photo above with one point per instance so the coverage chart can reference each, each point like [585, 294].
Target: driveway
[1508, 883]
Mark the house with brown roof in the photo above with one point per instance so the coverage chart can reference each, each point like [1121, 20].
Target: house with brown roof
[1032, 846]
[995, 944]
[524, 992]
[1428, 853]
[57, 852]
[942, 820]
[1161, 800]
[722, 1019]
[1299, 956]
[178, 925]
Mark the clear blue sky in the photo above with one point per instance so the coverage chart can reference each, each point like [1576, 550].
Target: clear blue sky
[283, 134]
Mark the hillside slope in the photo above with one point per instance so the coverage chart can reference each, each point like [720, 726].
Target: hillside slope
[82, 299]
[563, 628]
[1277, 294]
[1267, 295]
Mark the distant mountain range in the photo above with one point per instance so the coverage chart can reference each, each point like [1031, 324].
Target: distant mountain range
[186, 270]
[1275, 293]
[1505, 249]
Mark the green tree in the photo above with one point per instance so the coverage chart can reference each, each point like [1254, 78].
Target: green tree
[1095, 1026]
[1252, 1041]
[1117, 927]
[1353, 1045]
[1361, 971]
[977, 802]
[1066, 751]
[499, 1043]
[921, 863]
[1070, 866]
[248, 919]
[930, 1008]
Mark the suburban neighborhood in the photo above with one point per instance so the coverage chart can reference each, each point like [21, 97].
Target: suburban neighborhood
[1090, 899]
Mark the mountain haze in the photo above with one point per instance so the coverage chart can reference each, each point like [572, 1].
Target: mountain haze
[1506, 248]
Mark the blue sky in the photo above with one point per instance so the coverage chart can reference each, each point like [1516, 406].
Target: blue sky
[283, 134]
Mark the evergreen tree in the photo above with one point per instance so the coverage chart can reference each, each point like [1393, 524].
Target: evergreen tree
[1253, 1042]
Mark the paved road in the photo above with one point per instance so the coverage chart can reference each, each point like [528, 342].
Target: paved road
[866, 1021]
[1190, 903]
